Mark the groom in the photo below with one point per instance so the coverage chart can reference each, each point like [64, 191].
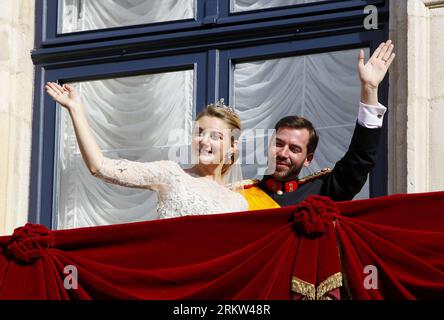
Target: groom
[296, 141]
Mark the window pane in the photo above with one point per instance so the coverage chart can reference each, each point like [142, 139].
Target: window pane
[324, 88]
[131, 118]
[248, 5]
[83, 15]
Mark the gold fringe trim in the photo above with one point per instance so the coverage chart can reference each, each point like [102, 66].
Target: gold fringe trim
[331, 283]
[310, 292]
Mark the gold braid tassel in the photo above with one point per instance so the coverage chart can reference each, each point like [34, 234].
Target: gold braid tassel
[331, 283]
[310, 292]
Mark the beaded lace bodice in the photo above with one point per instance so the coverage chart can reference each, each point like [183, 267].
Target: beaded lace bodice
[178, 192]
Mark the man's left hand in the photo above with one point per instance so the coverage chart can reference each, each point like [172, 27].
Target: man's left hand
[373, 72]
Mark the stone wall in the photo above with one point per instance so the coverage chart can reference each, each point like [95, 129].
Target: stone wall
[16, 94]
[416, 118]
[436, 141]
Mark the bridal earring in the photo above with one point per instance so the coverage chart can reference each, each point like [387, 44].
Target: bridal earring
[229, 157]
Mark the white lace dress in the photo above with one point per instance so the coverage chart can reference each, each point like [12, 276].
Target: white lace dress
[179, 193]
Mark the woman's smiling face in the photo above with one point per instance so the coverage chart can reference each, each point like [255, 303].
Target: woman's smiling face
[211, 140]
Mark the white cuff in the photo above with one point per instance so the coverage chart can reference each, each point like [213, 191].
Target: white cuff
[371, 116]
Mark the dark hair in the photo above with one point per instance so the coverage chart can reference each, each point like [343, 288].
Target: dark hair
[296, 122]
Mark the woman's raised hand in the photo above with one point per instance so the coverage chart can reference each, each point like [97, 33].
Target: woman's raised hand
[65, 95]
[68, 97]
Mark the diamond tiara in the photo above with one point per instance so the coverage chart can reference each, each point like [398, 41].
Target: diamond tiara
[221, 104]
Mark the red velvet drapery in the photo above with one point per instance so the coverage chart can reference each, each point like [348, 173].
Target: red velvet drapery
[304, 251]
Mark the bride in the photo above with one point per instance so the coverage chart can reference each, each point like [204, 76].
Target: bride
[198, 190]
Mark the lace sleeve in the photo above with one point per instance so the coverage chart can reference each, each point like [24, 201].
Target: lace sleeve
[144, 175]
[243, 202]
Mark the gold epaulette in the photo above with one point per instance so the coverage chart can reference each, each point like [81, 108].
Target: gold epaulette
[314, 176]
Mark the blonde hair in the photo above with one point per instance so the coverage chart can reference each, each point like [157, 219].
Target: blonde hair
[231, 119]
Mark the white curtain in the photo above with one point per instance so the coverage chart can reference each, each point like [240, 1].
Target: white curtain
[83, 15]
[131, 118]
[247, 5]
[323, 88]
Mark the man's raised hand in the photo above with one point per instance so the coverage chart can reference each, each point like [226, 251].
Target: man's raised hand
[373, 72]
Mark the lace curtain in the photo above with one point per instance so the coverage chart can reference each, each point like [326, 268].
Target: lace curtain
[248, 5]
[83, 15]
[131, 118]
[323, 88]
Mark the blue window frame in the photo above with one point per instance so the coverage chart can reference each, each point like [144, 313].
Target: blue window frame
[46, 126]
[211, 43]
[228, 58]
[207, 13]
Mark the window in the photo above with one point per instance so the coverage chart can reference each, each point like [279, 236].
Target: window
[321, 87]
[137, 65]
[124, 116]
[84, 15]
[248, 5]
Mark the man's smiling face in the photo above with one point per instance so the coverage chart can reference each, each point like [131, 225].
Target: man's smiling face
[290, 153]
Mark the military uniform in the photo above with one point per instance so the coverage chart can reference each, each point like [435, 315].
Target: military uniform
[342, 183]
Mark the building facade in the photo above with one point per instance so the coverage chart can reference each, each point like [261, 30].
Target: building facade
[242, 51]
